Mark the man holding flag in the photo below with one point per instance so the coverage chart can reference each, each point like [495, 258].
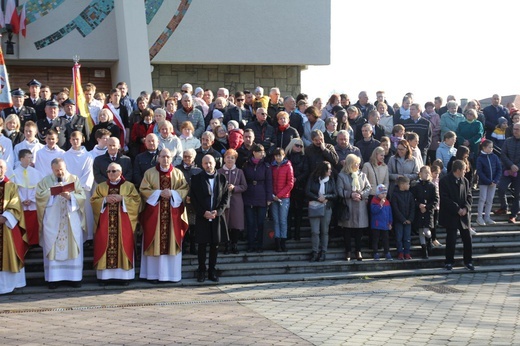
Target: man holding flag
[81, 106]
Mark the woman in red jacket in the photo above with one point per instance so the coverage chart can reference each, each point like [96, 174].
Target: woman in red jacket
[283, 183]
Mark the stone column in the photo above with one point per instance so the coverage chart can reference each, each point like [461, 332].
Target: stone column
[133, 66]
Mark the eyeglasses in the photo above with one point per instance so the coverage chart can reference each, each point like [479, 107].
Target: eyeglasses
[112, 171]
[240, 100]
[184, 91]
[298, 145]
[401, 149]
[263, 113]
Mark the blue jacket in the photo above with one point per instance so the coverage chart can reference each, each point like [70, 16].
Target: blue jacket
[489, 168]
[381, 215]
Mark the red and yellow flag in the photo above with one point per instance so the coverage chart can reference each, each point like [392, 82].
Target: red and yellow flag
[79, 96]
[5, 89]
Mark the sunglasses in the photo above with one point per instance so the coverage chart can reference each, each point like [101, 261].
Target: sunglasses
[241, 100]
[298, 145]
[184, 91]
[112, 171]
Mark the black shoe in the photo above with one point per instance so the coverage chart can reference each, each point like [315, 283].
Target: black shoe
[448, 267]
[201, 276]
[283, 245]
[469, 266]
[53, 285]
[234, 248]
[278, 244]
[212, 276]
[75, 284]
[323, 257]
[102, 283]
[314, 257]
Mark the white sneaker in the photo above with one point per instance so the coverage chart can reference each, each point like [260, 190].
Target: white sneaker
[480, 221]
[489, 222]
[436, 243]
[472, 231]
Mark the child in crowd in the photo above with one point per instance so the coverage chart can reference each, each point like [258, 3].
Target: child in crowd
[426, 200]
[236, 135]
[381, 221]
[102, 136]
[413, 141]
[489, 170]
[446, 149]
[397, 135]
[31, 142]
[435, 171]
[26, 178]
[499, 133]
[403, 208]
[49, 152]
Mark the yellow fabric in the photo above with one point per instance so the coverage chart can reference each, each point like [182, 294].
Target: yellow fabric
[132, 201]
[12, 204]
[149, 185]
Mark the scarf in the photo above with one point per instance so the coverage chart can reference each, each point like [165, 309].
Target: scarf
[355, 181]
[229, 169]
[282, 128]
[255, 161]
[405, 113]
[210, 176]
[323, 181]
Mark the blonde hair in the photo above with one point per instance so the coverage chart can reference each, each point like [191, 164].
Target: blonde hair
[350, 160]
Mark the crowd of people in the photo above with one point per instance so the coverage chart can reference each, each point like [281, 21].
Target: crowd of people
[188, 172]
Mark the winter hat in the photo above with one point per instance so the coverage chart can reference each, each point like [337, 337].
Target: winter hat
[234, 122]
[217, 114]
[381, 189]
[501, 121]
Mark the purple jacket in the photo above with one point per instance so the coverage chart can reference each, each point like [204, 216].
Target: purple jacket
[259, 184]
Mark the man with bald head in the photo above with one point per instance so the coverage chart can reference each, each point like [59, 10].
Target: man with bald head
[146, 159]
[112, 155]
[209, 196]
[363, 105]
[164, 220]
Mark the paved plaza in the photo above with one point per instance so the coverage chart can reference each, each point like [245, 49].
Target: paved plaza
[454, 309]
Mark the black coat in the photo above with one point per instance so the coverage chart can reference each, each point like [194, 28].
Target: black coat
[57, 124]
[424, 193]
[201, 198]
[454, 196]
[143, 162]
[216, 155]
[25, 113]
[78, 123]
[403, 205]
[300, 169]
[101, 163]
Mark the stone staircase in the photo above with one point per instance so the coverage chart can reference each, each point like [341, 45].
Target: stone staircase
[495, 247]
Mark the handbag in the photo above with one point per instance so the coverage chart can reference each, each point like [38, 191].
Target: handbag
[345, 211]
[316, 209]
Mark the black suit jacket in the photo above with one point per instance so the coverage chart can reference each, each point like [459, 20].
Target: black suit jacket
[101, 163]
[212, 152]
[78, 123]
[454, 196]
[39, 106]
[57, 124]
[24, 114]
[203, 199]
[142, 163]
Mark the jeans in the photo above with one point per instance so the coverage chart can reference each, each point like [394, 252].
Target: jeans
[403, 234]
[451, 240]
[255, 217]
[487, 192]
[279, 212]
[320, 227]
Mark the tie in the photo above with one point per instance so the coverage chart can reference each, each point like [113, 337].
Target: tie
[114, 158]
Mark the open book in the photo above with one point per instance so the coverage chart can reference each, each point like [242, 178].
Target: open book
[56, 190]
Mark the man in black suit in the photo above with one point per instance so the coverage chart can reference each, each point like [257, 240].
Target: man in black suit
[238, 112]
[147, 159]
[73, 122]
[51, 121]
[455, 202]
[24, 113]
[34, 100]
[101, 162]
[331, 134]
[209, 196]
[206, 142]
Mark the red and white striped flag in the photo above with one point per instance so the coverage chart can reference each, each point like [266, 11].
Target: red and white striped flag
[5, 89]
[23, 18]
[11, 16]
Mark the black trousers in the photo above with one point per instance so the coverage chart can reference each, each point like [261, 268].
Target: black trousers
[376, 234]
[347, 238]
[451, 241]
[213, 252]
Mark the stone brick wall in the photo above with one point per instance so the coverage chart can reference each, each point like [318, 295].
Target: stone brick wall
[233, 77]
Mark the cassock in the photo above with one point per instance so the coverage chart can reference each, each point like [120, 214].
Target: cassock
[62, 224]
[45, 157]
[164, 222]
[13, 239]
[26, 179]
[79, 163]
[34, 147]
[115, 227]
